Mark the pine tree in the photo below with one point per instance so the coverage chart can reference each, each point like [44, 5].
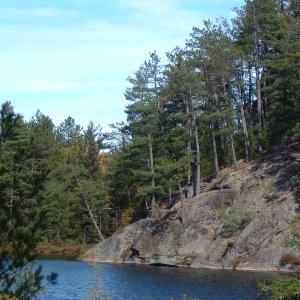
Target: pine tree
[20, 209]
[143, 117]
[256, 27]
[283, 76]
[211, 54]
[76, 196]
[181, 118]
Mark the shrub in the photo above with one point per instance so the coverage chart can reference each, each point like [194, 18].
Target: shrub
[289, 258]
[283, 288]
[235, 222]
[296, 133]
[273, 194]
[235, 262]
[127, 216]
[286, 287]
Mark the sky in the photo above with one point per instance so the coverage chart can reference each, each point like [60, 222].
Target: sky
[73, 57]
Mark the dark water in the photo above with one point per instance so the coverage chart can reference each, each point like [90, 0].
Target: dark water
[78, 280]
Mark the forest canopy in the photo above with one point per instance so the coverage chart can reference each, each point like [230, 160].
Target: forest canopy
[231, 93]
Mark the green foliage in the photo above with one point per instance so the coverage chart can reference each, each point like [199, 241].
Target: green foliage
[234, 222]
[51, 188]
[294, 240]
[287, 287]
[283, 288]
[273, 193]
[232, 89]
[20, 208]
[296, 133]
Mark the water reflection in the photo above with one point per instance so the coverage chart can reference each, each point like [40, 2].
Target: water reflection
[79, 280]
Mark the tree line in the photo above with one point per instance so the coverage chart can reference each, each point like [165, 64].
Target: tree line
[52, 189]
[231, 93]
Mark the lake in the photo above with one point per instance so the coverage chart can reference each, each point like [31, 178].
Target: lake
[78, 280]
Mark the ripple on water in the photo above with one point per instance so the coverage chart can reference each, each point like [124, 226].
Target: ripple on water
[77, 280]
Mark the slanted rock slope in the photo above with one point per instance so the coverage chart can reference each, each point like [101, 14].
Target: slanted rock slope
[239, 222]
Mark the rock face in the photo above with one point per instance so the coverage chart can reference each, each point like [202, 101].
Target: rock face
[241, 224]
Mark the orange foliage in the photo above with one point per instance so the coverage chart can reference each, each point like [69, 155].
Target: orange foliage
[104, 159]
[68, 153]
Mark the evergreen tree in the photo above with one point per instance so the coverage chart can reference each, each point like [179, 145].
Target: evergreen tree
[143, 118]
[19, 209]
[180, 106]
[76, 195]
[256, 25]
[212, 55]
[283, 76]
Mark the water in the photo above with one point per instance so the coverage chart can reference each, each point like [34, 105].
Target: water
[78, 280]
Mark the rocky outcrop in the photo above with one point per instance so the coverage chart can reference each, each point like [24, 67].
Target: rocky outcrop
[242, 224]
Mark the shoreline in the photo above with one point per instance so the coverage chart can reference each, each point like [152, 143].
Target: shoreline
[62, 250]
[204, 267]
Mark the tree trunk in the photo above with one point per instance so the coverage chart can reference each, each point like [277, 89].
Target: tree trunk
[170, 195]
[189, 144]
[259, 109]
[245, 131]
[129, 197]
[258, 90]
[233, 154]
[198, 164]
[180, 190]
[57, 233]
[264, 105]
[89, 209]
[85, 234]
[146, 203]
[213, 125]
[181, 202]
[250, 87]
[212, 128]
[153, 204]
[230, 123]
[244, 121]
[214, 144]
[282, 5]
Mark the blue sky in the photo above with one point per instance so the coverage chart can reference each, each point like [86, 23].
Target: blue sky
[72, 57]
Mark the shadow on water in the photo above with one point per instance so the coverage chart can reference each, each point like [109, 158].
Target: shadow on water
[78, 279]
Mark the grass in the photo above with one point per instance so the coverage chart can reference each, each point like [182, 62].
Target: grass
[62, 250]
[57, 250]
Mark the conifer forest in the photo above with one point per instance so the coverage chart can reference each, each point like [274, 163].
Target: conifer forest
[231, 93]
